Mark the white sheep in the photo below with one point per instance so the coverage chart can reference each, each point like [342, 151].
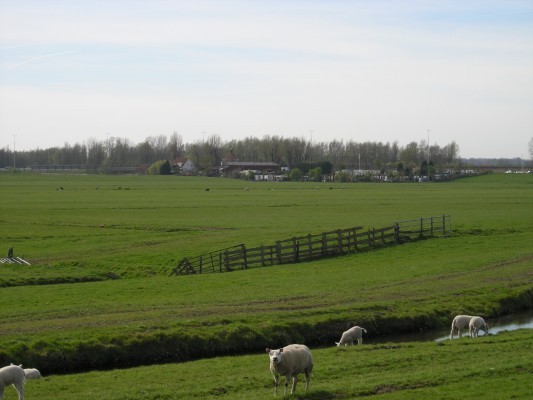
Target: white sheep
[476, 324]
[290, 361]
[12, 375]
[32, 373]
[460, 322]
[355, 333]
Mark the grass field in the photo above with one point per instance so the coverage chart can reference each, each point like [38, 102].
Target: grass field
[102, 226]
[119, 237]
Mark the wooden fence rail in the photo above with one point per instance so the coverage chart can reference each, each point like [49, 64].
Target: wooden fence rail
[312, 247]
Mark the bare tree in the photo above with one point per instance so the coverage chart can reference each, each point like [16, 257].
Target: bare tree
[175, 146]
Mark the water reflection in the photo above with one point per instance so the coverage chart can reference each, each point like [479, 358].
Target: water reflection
[507, 323]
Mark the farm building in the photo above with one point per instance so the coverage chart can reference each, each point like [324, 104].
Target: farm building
[235, 168]
[231, 166]
[184, 165]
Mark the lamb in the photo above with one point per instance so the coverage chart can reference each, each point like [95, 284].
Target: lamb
[32, 373]
[290, 361]
[476, 324]
[460, 322]
[355, 333]
[12, 375]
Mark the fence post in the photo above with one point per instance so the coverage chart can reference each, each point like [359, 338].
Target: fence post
[355, 243]
[339, 241]
[278, 251]
[310, 246]
[396, 232]
[421, 226]
[324, 245]
[226, 260]
[370, 235]
[431, 226]
[201, 262]
[245, 258]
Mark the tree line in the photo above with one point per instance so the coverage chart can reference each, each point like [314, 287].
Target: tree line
[208, 153]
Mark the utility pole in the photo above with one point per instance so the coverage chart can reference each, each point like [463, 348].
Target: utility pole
[428, 156]
[14, 151]
[428, 147]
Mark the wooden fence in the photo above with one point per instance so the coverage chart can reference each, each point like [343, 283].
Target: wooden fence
[14, 260]
[312, 247]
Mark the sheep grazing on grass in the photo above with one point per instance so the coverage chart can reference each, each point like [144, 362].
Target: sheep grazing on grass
[32, 373]
[348, 337]
[12, 375]
[290, 361]
[477, 324]
[459, 323]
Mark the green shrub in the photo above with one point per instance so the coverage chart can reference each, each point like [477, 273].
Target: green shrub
[161, 167]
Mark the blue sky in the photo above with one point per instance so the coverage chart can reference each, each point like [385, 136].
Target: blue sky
[378, 70]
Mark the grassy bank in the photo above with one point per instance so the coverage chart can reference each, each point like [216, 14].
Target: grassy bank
[492, 367]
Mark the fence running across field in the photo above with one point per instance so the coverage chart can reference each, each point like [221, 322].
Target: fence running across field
[312, 247]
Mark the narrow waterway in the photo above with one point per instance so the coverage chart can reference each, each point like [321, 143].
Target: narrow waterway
[511, 322]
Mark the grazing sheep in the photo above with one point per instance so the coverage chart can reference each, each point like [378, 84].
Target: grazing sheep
[460, 322]
[290, 361]
[32, 373]
[355, 333]
[476, 324]
[12, 375]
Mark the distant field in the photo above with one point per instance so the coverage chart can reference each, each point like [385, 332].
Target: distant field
[127, 232]
[106, 226]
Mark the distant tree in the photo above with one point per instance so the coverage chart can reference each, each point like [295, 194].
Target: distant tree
[531, 148]
[145, 152]
[342, 177]
[326, 167]
[431, 170]
[175, 146]
[315, 174]
[295, 174]
[400, 169]
[424, 168]
[161, 167]
[409, 154]
[165, 168]
[160, 145]
[209, 152]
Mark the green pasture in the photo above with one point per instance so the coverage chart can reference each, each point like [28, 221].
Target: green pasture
[122, 226]
[98, 294]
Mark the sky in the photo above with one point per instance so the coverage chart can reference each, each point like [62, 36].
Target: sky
[352, 70]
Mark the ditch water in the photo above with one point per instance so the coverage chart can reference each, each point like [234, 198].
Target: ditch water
[523, 320]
